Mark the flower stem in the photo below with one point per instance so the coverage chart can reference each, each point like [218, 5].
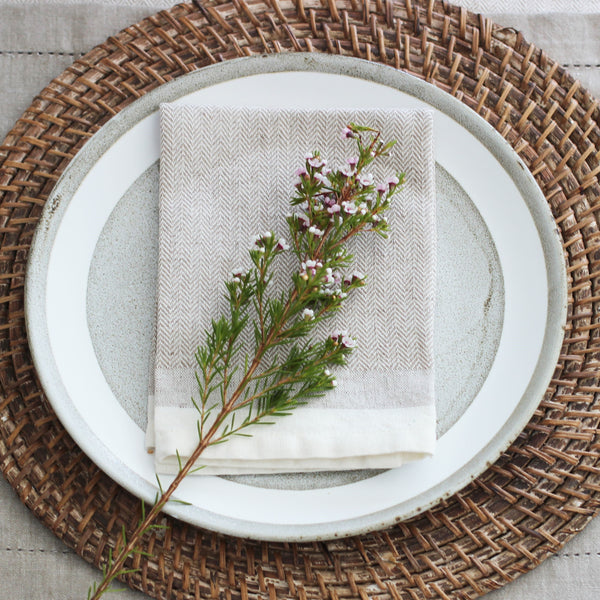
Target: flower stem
[338, 205]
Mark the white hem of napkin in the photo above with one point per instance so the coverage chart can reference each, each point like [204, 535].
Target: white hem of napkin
[387, 438]
[373, 390]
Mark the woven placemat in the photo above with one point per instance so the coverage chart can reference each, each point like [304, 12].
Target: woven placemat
[541, 492]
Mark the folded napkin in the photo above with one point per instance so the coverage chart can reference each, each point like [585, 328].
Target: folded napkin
[227, 174]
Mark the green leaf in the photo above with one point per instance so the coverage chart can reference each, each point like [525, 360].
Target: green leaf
[182, 502]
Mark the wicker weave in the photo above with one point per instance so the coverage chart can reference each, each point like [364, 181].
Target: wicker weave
[522, 509]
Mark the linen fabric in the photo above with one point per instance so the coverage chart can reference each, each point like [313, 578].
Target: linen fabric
[227, 174]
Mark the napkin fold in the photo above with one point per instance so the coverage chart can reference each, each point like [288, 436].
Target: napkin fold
[227, 174]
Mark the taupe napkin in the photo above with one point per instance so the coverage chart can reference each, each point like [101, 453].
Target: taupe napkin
[227, 174]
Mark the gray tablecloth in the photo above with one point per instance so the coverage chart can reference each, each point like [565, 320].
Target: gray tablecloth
[38, 40]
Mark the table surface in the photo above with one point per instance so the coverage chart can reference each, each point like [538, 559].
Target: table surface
[38, 40]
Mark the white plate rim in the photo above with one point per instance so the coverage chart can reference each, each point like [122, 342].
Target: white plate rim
[35, 286]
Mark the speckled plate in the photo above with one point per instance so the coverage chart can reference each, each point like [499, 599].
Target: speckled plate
[499, 322]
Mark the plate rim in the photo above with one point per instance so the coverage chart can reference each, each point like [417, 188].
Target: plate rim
[483, 131]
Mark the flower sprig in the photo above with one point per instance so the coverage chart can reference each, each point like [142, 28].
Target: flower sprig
[238, 386]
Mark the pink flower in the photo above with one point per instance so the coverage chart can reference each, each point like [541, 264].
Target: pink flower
[347, 171]
[381, 188]
[260, 240]
[301, 172]
[316, 162]
[311, 266]
[282, 245]
[305, 221]
[349, 207]
[356, 276]
[334, 209]
[343, 337]
[365, 179]
[348, 342]
[237, 274]
[337, 334]
[347, 133]
[392, 182]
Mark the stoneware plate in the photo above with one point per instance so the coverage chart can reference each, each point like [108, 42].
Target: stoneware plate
[499, 322]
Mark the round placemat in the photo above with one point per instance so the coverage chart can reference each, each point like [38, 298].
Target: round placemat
[540, 493]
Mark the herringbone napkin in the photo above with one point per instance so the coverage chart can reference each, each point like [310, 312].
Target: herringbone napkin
[227, 174]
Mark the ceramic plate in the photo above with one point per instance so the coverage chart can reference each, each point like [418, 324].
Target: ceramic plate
[499, 322]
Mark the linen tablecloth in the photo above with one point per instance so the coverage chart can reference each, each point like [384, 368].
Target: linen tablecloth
[38, 40]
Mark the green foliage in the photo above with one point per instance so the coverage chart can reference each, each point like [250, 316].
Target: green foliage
[239, 387]
[286, 367]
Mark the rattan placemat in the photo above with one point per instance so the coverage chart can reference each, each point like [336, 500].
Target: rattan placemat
[541, 492]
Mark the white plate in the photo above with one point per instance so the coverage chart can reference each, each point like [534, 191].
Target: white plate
[500, 322]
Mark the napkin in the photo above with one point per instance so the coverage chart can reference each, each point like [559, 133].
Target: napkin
[226, 174]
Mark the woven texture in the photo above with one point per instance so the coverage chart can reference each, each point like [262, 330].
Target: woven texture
[542, 491]
[227, 174]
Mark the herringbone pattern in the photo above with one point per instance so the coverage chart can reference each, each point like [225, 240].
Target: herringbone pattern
[227, 174]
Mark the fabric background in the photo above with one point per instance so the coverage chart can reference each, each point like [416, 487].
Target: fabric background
[38, 40]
